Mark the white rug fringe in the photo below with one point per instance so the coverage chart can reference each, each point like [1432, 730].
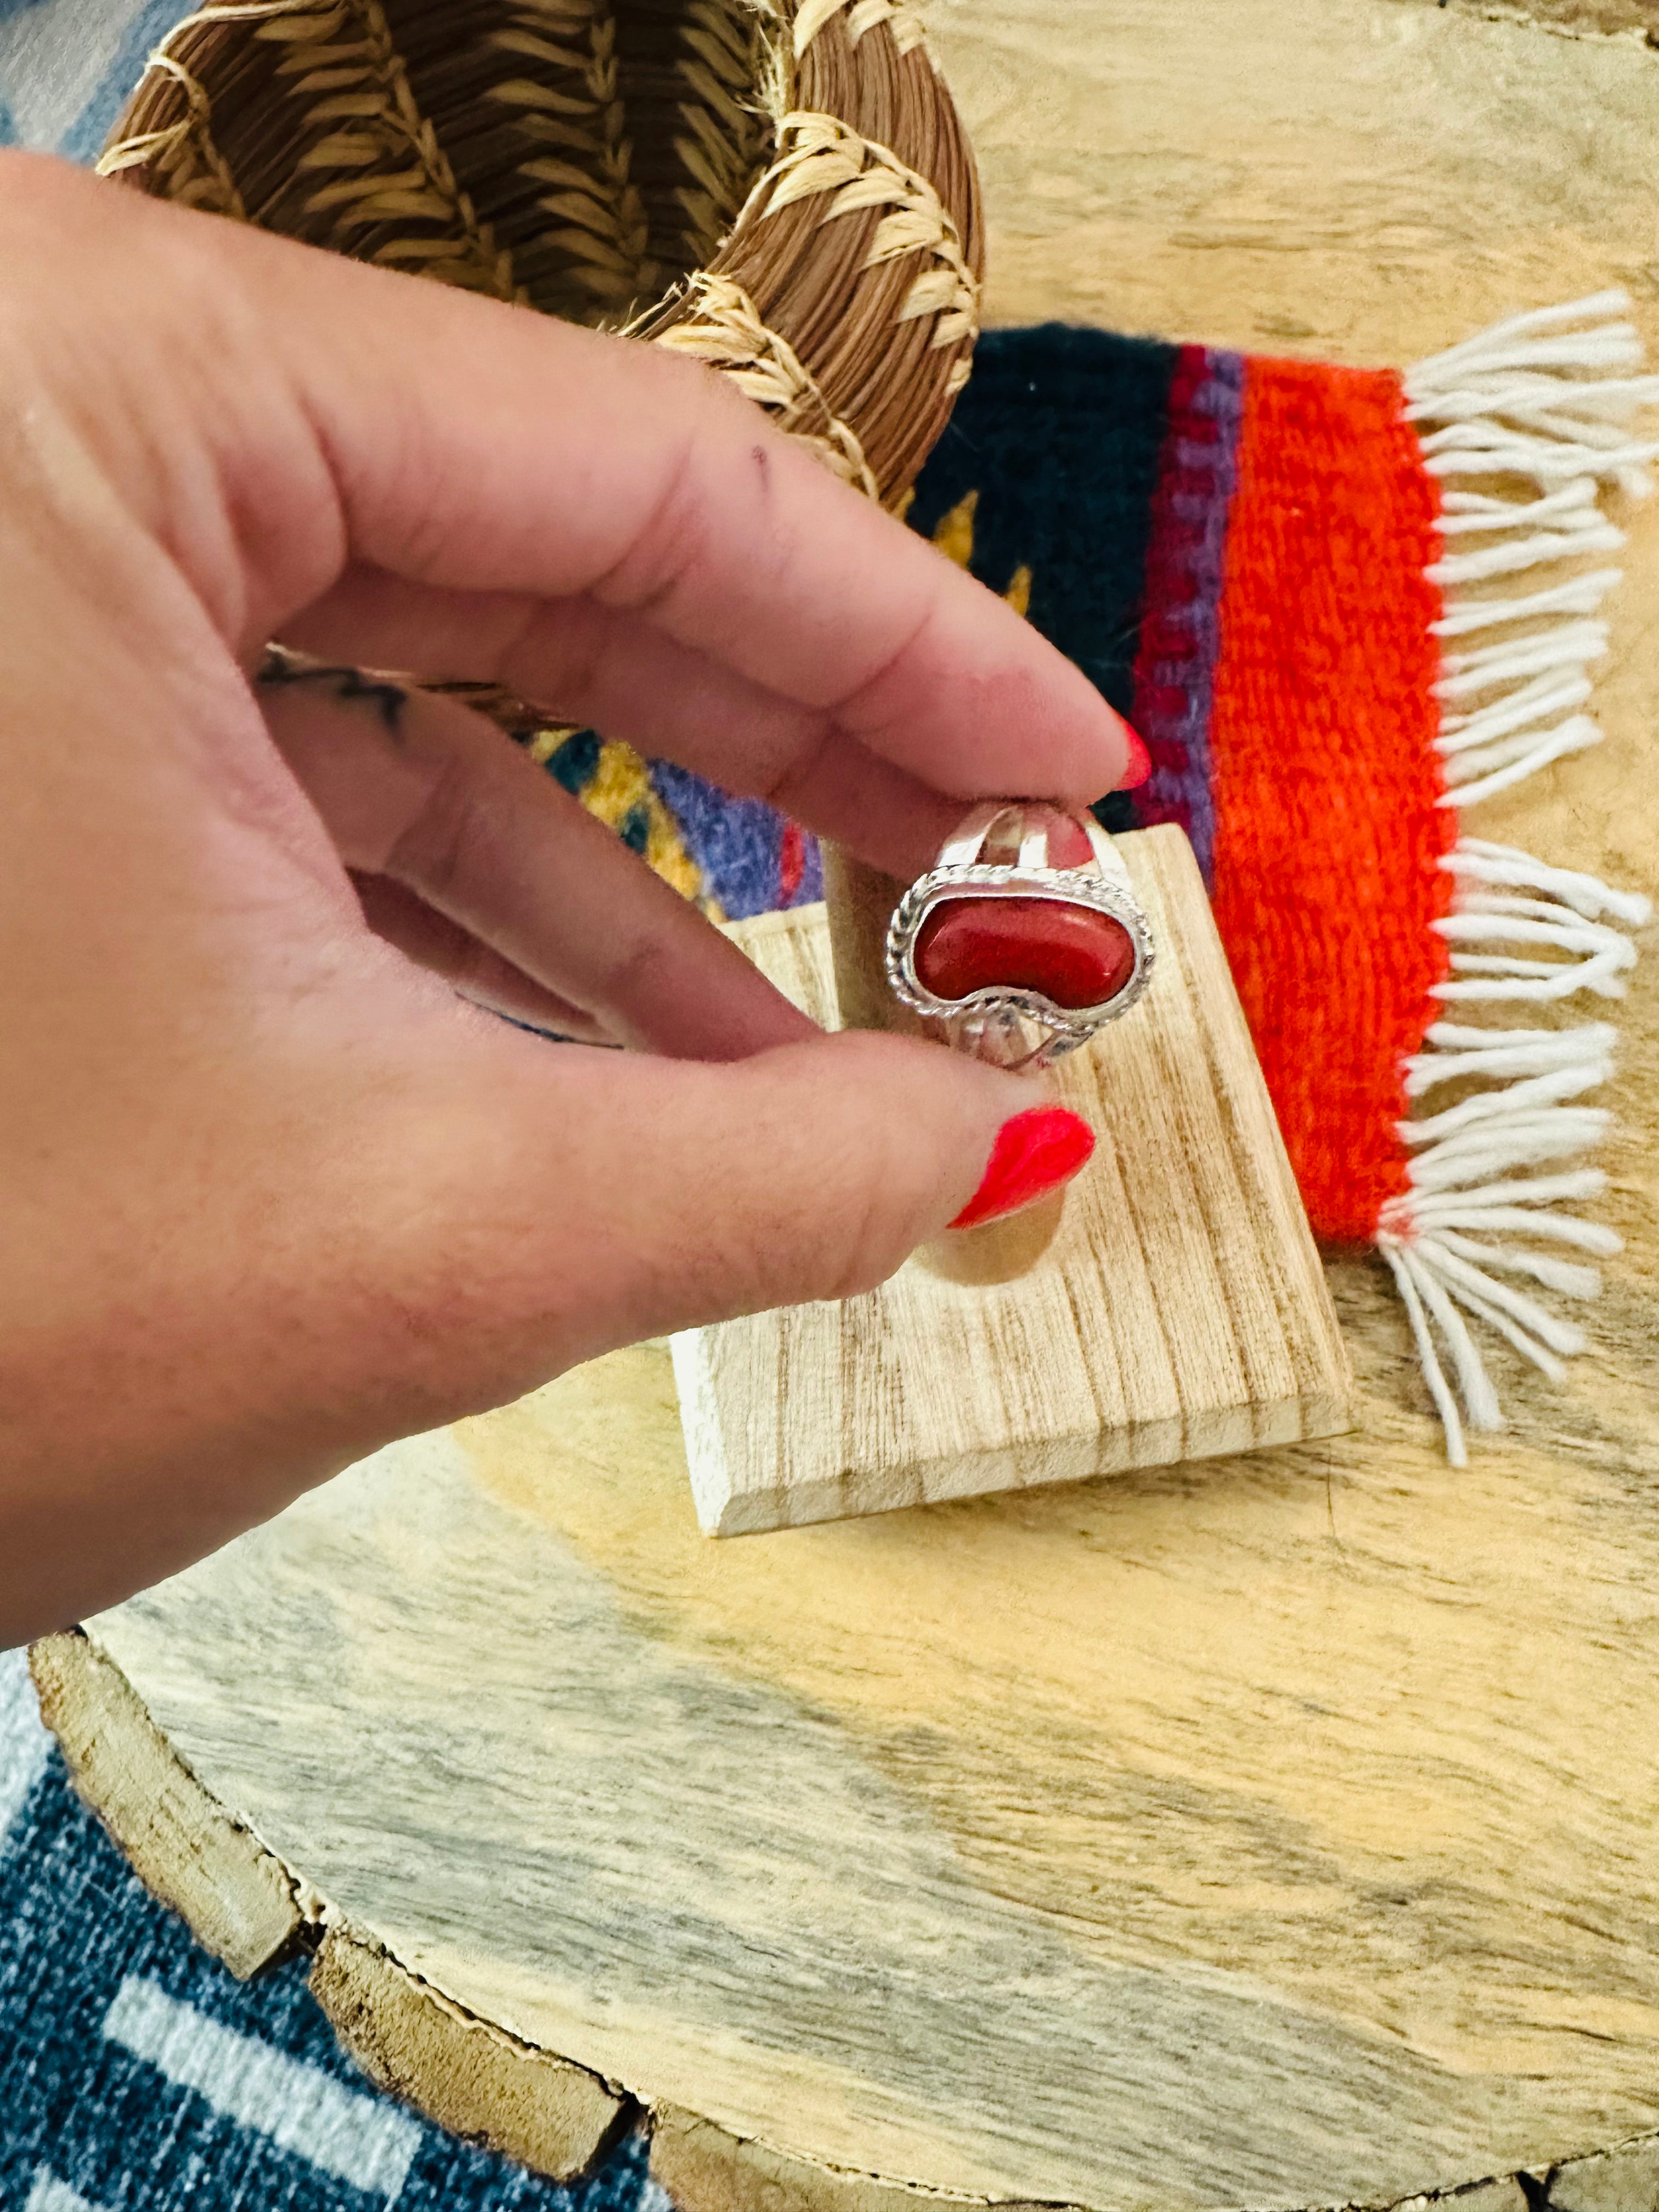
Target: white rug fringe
[1546, 398]
[1472, 1162]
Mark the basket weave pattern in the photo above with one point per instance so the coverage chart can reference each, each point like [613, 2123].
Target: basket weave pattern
[779, 188]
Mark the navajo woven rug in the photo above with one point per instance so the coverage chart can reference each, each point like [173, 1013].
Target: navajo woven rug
[1342, 607]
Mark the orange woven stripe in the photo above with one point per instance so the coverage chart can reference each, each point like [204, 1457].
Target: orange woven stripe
[1325, 772]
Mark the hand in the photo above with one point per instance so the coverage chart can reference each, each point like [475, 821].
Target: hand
[275, 1191]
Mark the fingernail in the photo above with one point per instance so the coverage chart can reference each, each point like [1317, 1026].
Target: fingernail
[1034, 1153]
[1140, 762]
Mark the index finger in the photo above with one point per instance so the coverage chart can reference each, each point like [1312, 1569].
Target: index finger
[480, 449]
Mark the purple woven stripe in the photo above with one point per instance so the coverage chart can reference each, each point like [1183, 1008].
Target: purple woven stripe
[740, 844]
[1180, 629]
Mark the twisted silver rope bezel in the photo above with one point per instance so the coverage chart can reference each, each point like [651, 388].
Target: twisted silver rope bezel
[1071, 1026]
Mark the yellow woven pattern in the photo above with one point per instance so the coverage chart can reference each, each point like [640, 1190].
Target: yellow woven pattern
[621, 787]
[953, 534]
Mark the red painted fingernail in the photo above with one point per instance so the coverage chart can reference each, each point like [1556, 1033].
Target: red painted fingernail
[1034, 1153]
[1140, 762]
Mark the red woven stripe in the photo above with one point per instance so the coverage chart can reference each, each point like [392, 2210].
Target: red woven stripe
[1325, 774]
[792, 862]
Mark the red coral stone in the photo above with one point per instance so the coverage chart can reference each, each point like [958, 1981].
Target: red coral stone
[1075, 957]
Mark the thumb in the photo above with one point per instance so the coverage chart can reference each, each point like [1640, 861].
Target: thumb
[574, 1200]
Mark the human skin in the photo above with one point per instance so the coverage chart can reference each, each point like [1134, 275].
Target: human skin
[279, 1186]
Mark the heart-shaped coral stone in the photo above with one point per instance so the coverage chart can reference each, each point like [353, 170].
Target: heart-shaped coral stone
[1075, 957]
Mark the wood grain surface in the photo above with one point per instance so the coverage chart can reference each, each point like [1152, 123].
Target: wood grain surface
[1278, 1831]
[1179, 1311]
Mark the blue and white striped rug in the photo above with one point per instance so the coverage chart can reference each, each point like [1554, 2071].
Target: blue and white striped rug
[137, 2075]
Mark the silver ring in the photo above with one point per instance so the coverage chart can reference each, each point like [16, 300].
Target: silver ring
[1007, 849]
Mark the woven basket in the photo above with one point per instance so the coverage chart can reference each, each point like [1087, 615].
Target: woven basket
[780, 188]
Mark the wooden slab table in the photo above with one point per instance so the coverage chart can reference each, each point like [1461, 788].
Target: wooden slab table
[1280, 1830]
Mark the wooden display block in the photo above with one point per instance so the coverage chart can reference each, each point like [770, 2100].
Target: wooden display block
[1180, 1311]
